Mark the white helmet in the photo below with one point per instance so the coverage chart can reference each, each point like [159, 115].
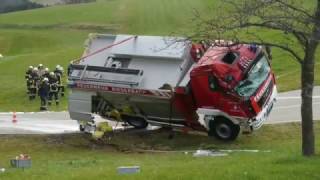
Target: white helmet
[30, 67]
[45, 79]
[35, 69]
[51, 73]
[40, 65]
[58, 66]
[46, 70]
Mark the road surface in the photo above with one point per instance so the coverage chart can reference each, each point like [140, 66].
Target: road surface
[287, 109]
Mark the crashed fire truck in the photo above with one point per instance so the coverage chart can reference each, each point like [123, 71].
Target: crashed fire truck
[166, 81]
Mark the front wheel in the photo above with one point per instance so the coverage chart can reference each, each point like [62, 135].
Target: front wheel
[224, 129]
[135, 121]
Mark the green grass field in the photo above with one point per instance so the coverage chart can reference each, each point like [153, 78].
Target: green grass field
[78, 157]
[55, 35]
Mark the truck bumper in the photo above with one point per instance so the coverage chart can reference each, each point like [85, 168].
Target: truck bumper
[264, 113]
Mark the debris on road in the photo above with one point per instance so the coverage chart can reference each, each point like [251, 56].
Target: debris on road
[2, 170]
[244, 150]
[201, 153]
[128, 169]
[21, 161]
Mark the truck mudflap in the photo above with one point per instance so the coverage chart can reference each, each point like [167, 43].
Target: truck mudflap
[264, 114]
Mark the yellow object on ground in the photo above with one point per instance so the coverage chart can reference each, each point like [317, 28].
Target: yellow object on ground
[102, 128]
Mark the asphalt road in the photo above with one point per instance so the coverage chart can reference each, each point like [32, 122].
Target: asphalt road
[287, 109]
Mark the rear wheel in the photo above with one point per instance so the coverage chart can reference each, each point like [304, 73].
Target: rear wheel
[223, 129]
[136, 122]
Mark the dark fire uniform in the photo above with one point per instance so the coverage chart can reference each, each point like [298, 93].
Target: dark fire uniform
[45, 75]
[28, 79]
[43, 92]
[54, 90]
[59, 74]
[34, 81]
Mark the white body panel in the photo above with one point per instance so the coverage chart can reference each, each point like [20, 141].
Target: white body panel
[159, 60]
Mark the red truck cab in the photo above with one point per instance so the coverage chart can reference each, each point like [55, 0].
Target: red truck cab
[232, 87]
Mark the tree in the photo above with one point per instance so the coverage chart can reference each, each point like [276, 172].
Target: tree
[296, 23]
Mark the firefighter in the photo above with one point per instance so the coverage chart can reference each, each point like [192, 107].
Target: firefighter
[41, 69]
[54, 89]
[69, 70]
[43, 93]
[28, 72]
[59, 73]
[46, 73]
[34, 80]
[27, 77]
[60, 69]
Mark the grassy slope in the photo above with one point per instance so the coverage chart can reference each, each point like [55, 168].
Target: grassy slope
[74, 157]
[56, 34]
[48, 47]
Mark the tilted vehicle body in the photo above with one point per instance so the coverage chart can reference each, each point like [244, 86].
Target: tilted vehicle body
[167, 81]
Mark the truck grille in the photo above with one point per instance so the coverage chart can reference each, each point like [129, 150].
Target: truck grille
[265, 96]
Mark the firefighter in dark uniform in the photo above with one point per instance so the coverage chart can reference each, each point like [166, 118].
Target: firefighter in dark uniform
[59, 73]
[44, 93]
[69, 70]
[34, 81]
[40, 69]
[54, 89]
[28, 77]
[46, 73]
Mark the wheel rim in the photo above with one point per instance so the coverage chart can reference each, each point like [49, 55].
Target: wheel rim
[224, 131]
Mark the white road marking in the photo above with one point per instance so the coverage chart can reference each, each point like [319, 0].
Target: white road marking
[293, 106]
[296, 97]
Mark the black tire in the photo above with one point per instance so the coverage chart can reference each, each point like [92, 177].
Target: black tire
[136, 122]
[81, 127]
[223, 129]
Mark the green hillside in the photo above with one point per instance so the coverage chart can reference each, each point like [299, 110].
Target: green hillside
[55, 35]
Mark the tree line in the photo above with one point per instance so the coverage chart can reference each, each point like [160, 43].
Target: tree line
[17, 5]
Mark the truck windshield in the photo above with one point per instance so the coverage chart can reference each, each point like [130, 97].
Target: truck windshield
[256, 76]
